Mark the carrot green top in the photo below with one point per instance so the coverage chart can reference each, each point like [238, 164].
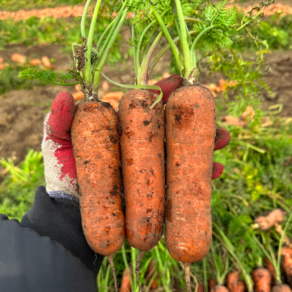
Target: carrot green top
[89, 58]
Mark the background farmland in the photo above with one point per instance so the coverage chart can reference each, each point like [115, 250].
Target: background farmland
[258, 162]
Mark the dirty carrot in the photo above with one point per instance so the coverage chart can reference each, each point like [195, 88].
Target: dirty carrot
[269, 219]
[234, 283]
[190, 134]
[142, 150]
[142, 158]
[262, 280]
[96, 148]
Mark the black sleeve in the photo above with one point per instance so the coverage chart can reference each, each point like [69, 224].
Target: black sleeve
[50, 255]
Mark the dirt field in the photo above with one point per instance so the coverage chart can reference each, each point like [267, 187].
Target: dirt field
[22, 112]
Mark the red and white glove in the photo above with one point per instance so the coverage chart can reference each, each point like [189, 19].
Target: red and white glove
[60, 168]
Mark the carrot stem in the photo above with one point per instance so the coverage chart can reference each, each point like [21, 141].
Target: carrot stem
[113, 25]
[88, 73]
[83, 19]
[162, 52]
[194, 60]
[137, 54]
[101, 62]
[142, 77]
[104, 34]
[169, 39]
[136, 65]
[111, 262]
[184, 40]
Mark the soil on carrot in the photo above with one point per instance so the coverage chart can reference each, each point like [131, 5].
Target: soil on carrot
[22, 111]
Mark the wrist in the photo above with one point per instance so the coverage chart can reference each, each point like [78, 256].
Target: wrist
[62, 195]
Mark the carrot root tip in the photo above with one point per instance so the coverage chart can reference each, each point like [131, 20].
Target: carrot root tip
[111, 262]
[187, 268]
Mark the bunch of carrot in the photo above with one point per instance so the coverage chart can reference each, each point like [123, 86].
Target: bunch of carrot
[143, 135]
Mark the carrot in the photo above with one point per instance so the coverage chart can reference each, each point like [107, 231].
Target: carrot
[142, 157]
[271, 269]
[211, 283]
[262, 280]
[96, 150]
[286, 258]
[95, 138]
[269, 219]
[126, 282]
[281, 288]
[219, 288]
[46, 61]
[190, 136]
[234, 283]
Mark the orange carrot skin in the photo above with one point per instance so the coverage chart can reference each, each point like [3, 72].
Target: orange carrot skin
[126, 282]
[142, 155]
[286, 260]
[234, 283]
[262, 280]
[96, 150]
[271, 269]
[190, 136]
[219, 288]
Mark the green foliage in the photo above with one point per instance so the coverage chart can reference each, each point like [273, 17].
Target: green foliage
[256, 178]
[246, 73]
[9, 79]
[19, 184]
[222, 20]
[46, 76]
[276, 31]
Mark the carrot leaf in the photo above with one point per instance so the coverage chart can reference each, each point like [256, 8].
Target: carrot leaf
[48, 76]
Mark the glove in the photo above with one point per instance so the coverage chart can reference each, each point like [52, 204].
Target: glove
[60, 168]
[222, 139]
